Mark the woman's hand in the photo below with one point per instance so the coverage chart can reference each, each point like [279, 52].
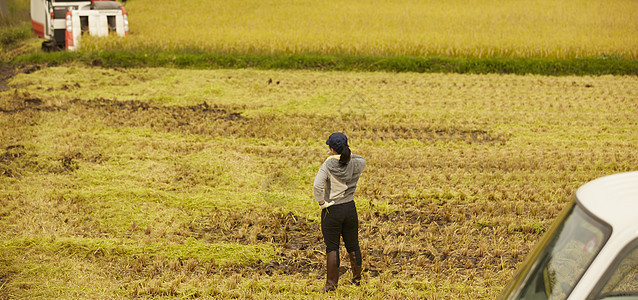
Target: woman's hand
[324, 204]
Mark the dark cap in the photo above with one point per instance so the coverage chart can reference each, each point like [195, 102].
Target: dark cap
[337, 140]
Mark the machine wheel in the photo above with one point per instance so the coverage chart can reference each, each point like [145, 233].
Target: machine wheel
[50, 46]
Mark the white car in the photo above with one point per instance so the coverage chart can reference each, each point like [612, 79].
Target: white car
[591, 251]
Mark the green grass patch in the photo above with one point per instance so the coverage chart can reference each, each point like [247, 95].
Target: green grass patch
[603, 65]
[16, 40]
[12, 34]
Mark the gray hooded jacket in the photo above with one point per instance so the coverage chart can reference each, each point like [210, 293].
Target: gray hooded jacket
[337, 183]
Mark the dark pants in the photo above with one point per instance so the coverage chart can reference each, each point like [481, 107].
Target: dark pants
[338, 221]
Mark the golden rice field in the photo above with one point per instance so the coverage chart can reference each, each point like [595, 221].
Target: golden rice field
[166, 183]
[481, 28]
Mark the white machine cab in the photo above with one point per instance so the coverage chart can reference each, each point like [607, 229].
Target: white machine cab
[63, 22]
[591, 251]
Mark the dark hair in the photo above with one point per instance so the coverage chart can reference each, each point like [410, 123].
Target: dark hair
[339, 142]
[345, 155]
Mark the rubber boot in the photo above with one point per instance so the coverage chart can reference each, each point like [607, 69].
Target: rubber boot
[332, 274]
[356, 268]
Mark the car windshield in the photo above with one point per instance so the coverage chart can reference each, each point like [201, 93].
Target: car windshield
[561, 258]
[623, 280]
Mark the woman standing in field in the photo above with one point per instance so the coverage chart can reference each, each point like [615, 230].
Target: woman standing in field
[334, 189]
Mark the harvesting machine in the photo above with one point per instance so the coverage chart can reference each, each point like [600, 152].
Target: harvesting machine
[62, 23]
